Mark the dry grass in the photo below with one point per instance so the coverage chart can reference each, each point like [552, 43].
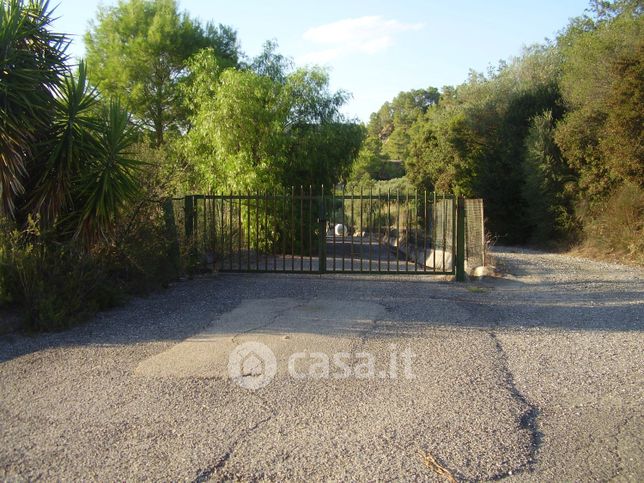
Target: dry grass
[475, 289]
[437, 468]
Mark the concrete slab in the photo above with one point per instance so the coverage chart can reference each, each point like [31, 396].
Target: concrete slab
[284, 325]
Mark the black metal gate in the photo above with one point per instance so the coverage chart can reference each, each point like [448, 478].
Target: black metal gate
[338, 232]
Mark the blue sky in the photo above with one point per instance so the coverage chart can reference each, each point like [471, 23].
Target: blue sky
[374, 49]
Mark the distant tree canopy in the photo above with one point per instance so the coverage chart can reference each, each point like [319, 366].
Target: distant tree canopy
[394, 120]
[603, 87]
[138, 50]
[543, 138]
[388, 134]
[473, 142]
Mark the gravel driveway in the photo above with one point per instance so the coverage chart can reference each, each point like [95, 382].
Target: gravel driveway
[531, 377]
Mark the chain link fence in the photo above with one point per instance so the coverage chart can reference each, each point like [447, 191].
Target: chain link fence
[474, 234]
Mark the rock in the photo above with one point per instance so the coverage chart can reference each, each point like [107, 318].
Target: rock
[437, 256]
[483, 271]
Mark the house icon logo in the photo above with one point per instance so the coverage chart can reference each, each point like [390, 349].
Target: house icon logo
[252, 365]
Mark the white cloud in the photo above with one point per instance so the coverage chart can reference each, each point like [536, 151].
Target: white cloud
[363, 35]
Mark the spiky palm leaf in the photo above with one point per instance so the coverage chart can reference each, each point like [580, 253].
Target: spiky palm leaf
[72, 144]
[108, 181]
[32, 62]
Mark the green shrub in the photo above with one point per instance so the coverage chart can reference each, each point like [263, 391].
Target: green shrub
[58, 284]
[145, 255]
[55, 285]
[616, 228]
[401, 185]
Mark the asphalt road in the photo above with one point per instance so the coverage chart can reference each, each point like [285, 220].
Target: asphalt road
[531, 377]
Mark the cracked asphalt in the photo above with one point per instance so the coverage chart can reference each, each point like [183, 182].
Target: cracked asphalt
[531, 377]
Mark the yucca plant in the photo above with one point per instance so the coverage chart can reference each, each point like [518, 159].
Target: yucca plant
[70, 145]
[32, 65]
[108, 179]
[88, 175]
[63, 154]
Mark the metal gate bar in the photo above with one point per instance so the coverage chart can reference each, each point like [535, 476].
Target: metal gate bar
[302, 231]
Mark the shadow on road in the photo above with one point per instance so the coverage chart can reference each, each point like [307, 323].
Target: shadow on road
[589, 300]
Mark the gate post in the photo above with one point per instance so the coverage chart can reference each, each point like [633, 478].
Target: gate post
[460, 240]
[189, 216]
[171, 235]
[322, 239]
